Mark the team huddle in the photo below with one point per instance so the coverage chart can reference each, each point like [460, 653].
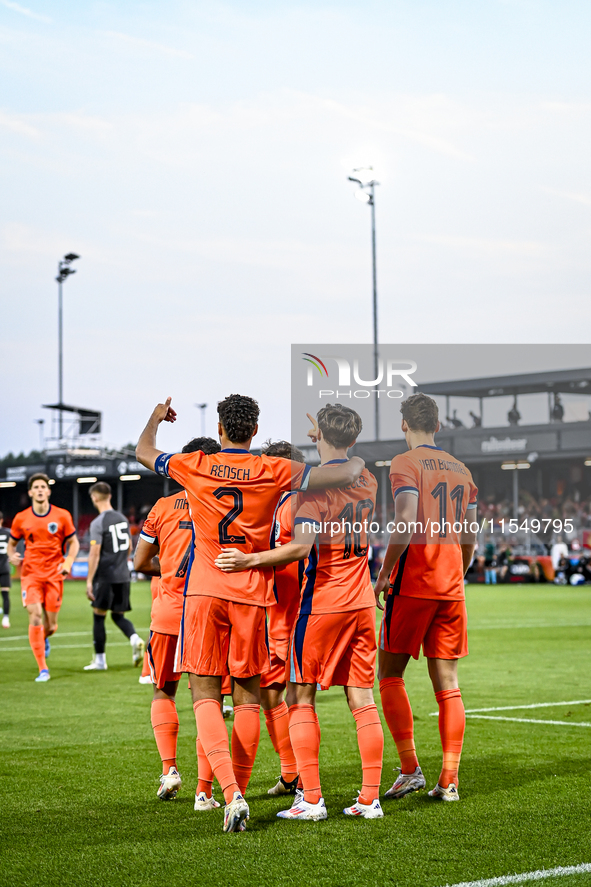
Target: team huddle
[264, 593]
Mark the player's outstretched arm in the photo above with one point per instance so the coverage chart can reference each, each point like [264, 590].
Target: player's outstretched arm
[406, 508]
[231, 560]
[322, 478]
[145, 559]
[146, 451]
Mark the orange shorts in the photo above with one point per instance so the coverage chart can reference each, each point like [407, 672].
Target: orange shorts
[276, 676]
[440, 626]
[161, 649]
[334, 649]
[220, 637]
[47, 592]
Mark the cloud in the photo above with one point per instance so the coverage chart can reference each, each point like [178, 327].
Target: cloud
[568, 195]
[147, 44]
[22, 10]
[11, 121]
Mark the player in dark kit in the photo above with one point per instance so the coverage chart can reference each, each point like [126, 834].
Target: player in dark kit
[5, 581]
[107, 585]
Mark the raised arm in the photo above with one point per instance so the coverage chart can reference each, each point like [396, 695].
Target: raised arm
[231, 560]
[405, 513]
[322, 477]
[146, 451]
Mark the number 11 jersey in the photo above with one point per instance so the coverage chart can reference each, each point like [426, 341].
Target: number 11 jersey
[431, 567]
[232, 498]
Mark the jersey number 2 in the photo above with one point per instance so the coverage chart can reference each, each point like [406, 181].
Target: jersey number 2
[237, 508]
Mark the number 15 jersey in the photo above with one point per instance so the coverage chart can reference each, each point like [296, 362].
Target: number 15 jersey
[431, 567]
[232, 498]
[110, 530]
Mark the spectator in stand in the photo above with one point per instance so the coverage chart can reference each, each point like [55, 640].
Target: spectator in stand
[490, 565]
[476, 420]
[504, 562]
[558, 552]
[454, 421]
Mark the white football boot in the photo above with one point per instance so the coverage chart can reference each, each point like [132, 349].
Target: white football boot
[95, 665]
[203, 803]
[367, 811]
[235, 814]
[305, 811]
[43, 676]
[284, 788]
[170, 784]
[5, 622]
[138, 648]
[445, 794]
[406, 783]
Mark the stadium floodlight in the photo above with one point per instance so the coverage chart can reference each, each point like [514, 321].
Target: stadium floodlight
[85, 480]
[130, 477]
[364, 177]
[7, 483]
[63, 272]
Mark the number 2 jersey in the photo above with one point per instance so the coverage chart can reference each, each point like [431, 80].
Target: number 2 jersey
[232, 498]
[110, 530]
[337, 577]
[44, 535]
[169, 526]
[431, 567]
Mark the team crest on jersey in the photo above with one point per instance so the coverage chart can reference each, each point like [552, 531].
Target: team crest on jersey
[52, 527]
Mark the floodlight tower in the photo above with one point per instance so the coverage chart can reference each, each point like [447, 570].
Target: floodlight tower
[63, 272]
[364, 176]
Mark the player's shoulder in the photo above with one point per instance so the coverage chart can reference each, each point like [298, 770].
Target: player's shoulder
[61, 512]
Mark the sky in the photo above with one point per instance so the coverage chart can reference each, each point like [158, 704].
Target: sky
[196, 154]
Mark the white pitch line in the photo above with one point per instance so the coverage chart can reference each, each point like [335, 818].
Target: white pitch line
[532, 705]
[61, 634]
[87, 646]
[531, 721]
[538, 875]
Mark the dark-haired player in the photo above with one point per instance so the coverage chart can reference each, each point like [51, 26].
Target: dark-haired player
[108, 581]
[48, 533]
[287, 583]
[164, 550]
[423, 576]
[333, 642]
[232, 498]
[5, 581]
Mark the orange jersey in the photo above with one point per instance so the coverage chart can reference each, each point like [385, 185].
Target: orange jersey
[337, 576]
[169, 526]
[44, 537]
[232, 497]
[431, 566]
[287, 583]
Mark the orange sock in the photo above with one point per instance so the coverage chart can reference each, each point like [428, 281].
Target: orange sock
[304, 733]
[277, 720]
[204, 771]
[245, 742]
[37, 642]
[398, 714]
[452, 724]
[370, 738]
[145, 666]
[212, 732]
[165, 723]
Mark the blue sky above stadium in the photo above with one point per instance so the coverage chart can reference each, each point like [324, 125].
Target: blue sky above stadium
[196, 156]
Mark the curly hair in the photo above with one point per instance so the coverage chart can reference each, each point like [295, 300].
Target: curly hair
[283, 449]
[239, 416]
[420, 413]
[207, 445]
[340, 425]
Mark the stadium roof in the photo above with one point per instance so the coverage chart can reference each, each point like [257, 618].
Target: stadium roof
[556, 382]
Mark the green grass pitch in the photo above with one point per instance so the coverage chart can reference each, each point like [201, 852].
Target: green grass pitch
[80, 768]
